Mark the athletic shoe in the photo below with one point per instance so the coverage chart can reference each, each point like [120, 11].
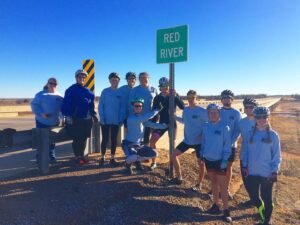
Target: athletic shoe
[197, 188]
[226, 216]
[177, 181]
[53, 161]
[101, 162]
[113, 162]
[214, 209]
[248, 203]
[153, 166]
[139, 166]
[230, 196]
[80, 162]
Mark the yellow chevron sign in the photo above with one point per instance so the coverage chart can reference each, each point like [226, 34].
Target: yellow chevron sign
[88, 66]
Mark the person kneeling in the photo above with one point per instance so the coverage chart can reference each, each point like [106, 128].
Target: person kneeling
[134, 151]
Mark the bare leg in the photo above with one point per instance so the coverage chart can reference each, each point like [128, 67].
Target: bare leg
[201, 170]
[154, 138]
[176, 163]
[214, 186]
[222, 183]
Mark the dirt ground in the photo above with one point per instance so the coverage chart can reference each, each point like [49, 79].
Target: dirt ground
[88, 195]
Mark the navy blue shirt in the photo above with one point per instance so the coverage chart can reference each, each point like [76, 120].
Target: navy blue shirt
[78, 102]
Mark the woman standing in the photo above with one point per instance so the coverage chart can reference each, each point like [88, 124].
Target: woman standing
[110, 117]
[261, 161]
[46, 106]
[215, 151]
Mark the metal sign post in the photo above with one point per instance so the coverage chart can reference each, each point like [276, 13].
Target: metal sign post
[172, 46]
[171, 117]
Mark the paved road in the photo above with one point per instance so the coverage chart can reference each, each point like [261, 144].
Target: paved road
[18, 123]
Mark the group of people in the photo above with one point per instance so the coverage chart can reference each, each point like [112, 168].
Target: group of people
[212, 132]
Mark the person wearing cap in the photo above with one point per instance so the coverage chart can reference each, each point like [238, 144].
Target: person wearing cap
[124, 93]
[110, 117]
[46, 107]
[146, 92]
[246, 124]
[132, 145]
[261, 160]
[193, 118]
[215, 152]
[79, 111]
[230, 117]
[163, 117]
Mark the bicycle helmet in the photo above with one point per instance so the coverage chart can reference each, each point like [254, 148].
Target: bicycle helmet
[163, 82]
[135, 100]
[113, 75]
[83, 72]
[249, 101]
[261, 111]
[227, 93]
[130, 74]
[212, 106]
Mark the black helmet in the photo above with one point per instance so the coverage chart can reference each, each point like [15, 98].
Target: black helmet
[227, 93]
[130, 74]
[114, 74]
[261, 111]
[249, 101]
[163, 82]
[134, 100]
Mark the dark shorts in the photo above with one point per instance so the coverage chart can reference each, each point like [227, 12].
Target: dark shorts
[214, 166]
[183, 147]
[232, 155]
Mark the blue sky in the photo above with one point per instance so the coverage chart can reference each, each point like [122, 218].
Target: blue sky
[250, 46]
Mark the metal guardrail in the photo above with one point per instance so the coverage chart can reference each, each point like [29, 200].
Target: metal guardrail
[39, 139]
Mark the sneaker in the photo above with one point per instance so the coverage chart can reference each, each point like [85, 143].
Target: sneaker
[101, 162]
[113, 162]
[53, 161]
[248, 203]
[197, 188]
[215, 210]
[80, 162]
[177, 181]
[226, 216]
[230, 196]
[153, 166]
[139, 166]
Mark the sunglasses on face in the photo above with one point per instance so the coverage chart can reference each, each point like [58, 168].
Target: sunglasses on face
[83, 77]
[261, 117]
[138, 106]
[249, 107]
[52, 83]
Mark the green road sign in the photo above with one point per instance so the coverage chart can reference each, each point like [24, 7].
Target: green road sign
[172, 44]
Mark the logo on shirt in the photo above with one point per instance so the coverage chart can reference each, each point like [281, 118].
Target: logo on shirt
[218, 132]
[231, 117]
[194, 116]
[88, 100]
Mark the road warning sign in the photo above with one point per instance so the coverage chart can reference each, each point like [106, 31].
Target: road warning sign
[89, 67]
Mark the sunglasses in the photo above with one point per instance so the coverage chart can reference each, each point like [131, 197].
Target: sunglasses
[80, 76]
[249, 107]
[138, 106]
[261, 117]
[52, 83]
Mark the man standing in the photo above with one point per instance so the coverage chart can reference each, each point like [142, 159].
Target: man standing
[146, 92]
[79, 109]
[230, 117]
